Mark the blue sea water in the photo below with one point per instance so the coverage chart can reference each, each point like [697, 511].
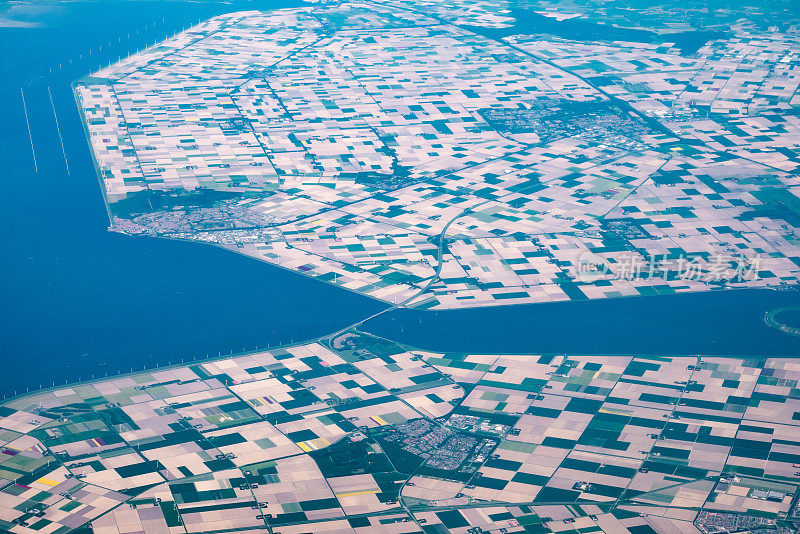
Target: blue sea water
[77, 300]
[726, 323]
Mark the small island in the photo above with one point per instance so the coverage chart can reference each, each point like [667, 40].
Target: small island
[773, 318]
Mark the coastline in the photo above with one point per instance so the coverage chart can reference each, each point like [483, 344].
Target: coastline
[326, 339]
